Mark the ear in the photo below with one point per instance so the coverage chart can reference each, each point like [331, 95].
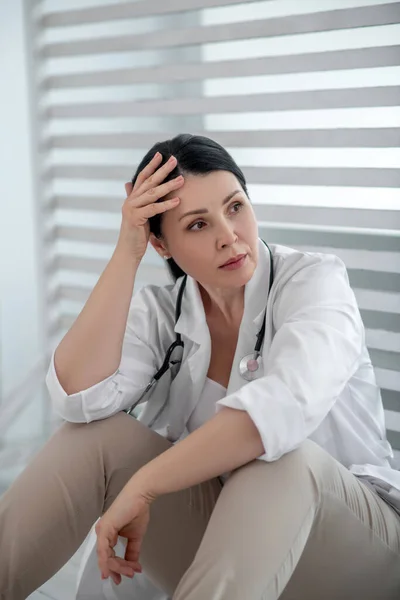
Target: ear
[159, 246]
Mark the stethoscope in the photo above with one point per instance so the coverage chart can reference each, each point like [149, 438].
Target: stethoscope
[248, 366]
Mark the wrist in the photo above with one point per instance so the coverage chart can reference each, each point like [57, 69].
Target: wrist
[142, 483]
[122, 254]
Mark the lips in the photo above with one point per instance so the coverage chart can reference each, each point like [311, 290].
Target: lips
[233, 260]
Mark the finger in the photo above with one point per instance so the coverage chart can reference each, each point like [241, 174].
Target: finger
[123, 572]
[116, 578]
[132, 550]
[103, 554]
[148, 170]
[104, 546]
[128, 188]
[104, 568]
[154, 194]
[157, 208]
[157, 177]
[123, 566]
[106, 541]
[147, 212]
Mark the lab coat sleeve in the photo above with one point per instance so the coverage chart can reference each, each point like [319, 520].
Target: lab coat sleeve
[316, 348]
[118, 391]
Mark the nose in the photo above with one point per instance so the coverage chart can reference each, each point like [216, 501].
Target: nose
[226, 235]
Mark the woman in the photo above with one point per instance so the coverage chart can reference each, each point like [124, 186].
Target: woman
[260, 478]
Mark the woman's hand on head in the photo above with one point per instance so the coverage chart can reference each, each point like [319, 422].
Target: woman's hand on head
[141, 204]
[127, 517]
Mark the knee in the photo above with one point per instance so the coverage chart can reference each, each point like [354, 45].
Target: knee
[308, 454]
[114, 437]
[121, 439]
[292, 471]
[79, 434]
[102, 429]
[307, 457]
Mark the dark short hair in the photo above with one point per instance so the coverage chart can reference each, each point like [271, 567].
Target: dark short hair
[196, 155]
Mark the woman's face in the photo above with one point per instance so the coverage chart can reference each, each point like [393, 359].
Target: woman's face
[223, 227]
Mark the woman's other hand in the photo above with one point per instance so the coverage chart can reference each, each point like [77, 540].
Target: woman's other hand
[128, 517]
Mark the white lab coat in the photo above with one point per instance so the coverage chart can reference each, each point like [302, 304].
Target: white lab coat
[316, 379]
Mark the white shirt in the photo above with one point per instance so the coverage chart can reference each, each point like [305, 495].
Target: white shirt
[316, 379]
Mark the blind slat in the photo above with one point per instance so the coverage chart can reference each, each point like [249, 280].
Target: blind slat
[276, 101]
[331, 60]
[349, 18]
[260, 175]
[379, 137]
[128, 10]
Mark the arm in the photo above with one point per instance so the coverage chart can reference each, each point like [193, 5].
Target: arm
[91, 350]
[139, 360]
[227, 441]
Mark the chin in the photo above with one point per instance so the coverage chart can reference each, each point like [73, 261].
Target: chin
[236, 278]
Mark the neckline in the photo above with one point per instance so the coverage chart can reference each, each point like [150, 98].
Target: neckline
[216, 383]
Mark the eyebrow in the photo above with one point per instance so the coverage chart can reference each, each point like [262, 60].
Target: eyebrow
[199, 211]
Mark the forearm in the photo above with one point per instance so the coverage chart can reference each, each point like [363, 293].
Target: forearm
[227, 441]
[91, 350]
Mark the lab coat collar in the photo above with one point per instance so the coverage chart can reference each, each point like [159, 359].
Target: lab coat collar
[192, 322]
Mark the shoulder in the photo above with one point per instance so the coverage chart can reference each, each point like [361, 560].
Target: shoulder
[157, 296]
[291, 265]
[153, 305]
[310, 283]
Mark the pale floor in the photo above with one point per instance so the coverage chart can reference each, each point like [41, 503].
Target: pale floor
[62, 585]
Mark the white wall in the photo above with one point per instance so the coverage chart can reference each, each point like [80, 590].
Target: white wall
[19, 324]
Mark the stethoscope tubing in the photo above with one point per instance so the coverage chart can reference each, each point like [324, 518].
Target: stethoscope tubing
[244, 370]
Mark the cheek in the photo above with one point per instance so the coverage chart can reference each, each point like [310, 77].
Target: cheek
[196, 253]
[254, 221]
[198, 248]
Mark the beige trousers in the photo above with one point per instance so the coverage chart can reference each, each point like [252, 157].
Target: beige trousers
[300, 528]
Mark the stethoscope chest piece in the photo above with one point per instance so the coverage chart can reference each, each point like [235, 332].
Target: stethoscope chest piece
[249, 365]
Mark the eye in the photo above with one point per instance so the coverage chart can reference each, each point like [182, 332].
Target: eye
[238, 204]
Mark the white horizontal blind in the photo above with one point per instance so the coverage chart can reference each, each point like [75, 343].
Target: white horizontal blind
[304, 95]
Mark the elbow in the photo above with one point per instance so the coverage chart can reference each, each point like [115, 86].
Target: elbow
[69, 408]
[65, 381]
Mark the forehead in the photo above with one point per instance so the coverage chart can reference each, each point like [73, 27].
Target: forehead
[201, 191]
